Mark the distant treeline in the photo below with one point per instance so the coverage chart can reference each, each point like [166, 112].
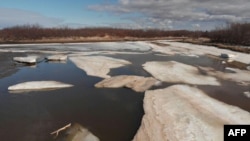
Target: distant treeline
[236, 33]
[34, 32]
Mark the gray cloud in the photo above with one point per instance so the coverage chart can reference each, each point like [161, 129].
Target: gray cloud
[169, 13]
[12, 17]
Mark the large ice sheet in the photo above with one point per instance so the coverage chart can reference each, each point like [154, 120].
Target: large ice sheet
[188, 48]
[184, 113]
[98, 65]
[76, 47]
[240, 76]
[137, 83]
[175, 72]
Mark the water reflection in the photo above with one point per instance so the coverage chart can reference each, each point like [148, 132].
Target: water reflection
[110, 114]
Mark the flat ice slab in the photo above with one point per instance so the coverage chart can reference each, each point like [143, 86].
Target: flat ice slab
[175, 72]
[74, 132]
[98, 65]
[184, 113]
[38, 85]
[137, 83]
[77, 133]
[28, 59]
[187, 48]
[79, 47]
[242, 77]
[247, 94]
[58, 57]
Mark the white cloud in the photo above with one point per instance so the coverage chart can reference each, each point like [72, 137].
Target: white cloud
[160, 12]
[12, 17]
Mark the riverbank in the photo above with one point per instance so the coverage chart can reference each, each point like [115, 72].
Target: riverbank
[207, 42]
[197, 41]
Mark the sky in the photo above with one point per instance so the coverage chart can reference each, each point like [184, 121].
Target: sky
[160, 14]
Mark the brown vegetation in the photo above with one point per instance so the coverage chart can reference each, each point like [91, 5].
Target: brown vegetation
[34, 32]
[233, 34]
[229, 37]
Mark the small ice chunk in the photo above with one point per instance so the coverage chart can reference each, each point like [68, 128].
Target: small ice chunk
[38, 85]
[75, 132]
[28, 59]
[247, 94]
[58, 57]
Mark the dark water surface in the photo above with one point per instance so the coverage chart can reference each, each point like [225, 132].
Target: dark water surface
[110, 114]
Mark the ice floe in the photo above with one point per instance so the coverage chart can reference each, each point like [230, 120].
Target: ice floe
[76, 47]
[234, 74]
[116, 46]
[190, 55]
[247, 94]
[75, 132]
[203, 49]
[175, 72]
[184, 113]
[58, 57]
[97, 65]
[161, 49]
[33, 59]
[137, 83]
[88, 53]
[38, 85]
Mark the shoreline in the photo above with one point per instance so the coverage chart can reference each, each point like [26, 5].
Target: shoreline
[57, 41]
[86, 40]
[237, 48]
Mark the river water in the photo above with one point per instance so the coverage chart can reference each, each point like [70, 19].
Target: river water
[110, 114]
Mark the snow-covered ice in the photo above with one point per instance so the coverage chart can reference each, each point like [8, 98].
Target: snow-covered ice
[98, 66]
[176, 72]
[137, 83]
[184, 113]
[38, 85]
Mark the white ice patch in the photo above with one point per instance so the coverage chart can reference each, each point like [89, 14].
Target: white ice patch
[97, 65]
[38, 85]
[28, 59]
[247, 94]
[57, 57]
[115, 46]
[88, 53]
[202, 50]
[160, 49]
[184, 113]
[240, 76]
[175, 72]
[79, 47]
[107, 46]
